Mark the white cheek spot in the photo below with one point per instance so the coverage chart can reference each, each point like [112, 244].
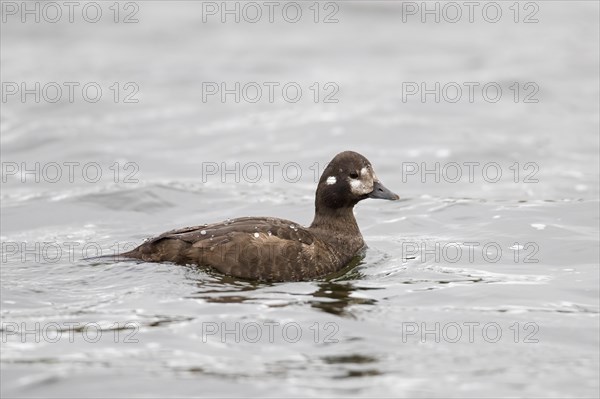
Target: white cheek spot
[362, 186]
[357, 187]
[355, 184]
[331, 180]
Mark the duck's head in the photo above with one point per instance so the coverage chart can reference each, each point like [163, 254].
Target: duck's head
[348, 179]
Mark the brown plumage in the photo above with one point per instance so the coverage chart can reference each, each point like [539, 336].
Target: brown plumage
[271, 249]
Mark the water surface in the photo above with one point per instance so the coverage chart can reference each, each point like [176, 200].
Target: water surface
[412, 319]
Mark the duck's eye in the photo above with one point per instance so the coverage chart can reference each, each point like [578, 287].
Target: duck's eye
[353, 175]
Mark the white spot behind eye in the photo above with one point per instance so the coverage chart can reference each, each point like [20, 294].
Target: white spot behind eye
[363, 171]
[331, 180]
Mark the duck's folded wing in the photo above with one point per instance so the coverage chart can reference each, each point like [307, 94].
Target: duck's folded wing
[250, 248]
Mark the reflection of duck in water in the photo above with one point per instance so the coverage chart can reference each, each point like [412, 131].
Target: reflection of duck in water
[334, 297]
[270, 249]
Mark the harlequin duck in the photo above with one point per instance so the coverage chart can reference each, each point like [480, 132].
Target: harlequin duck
[271, 249]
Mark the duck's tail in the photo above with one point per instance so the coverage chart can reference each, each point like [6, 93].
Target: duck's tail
[112, 258]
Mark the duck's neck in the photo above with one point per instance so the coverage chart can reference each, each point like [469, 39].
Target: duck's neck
[340, 220]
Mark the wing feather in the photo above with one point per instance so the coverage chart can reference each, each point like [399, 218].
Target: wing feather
[253, 248]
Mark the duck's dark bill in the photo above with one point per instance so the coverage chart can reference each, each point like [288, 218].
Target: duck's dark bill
[381, 192]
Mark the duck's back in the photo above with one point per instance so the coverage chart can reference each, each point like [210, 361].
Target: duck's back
[258, 248]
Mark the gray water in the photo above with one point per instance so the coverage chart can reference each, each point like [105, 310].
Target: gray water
[471, 287]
